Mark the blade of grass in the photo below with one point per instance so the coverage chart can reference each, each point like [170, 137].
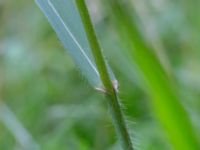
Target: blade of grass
[148, 22]
[17, 129]
[66, 21]
[164, 101]
[60, 14]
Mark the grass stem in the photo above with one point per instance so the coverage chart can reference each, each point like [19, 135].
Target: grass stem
[111, 94]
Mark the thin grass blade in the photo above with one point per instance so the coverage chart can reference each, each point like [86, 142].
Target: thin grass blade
[66, 21]
[22, 136]
[164, 100]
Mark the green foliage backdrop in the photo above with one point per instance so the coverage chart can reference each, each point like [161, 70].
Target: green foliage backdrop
[56, 106]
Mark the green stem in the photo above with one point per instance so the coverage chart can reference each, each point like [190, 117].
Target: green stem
[111, 94]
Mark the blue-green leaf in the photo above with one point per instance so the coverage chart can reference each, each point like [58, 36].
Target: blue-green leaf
[65, 19]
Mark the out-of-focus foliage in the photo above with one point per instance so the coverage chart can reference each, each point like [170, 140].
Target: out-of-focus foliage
[58, 108]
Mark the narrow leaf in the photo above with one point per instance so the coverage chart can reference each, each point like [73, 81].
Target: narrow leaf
[65, 19]
[162, 92]
[22, 136]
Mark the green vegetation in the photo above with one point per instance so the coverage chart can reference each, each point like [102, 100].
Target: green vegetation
[53, 100]
[110, 88]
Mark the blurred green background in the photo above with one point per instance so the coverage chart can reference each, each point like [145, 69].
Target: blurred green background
[46, 104]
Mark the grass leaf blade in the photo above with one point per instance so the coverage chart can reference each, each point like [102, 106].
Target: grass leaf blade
[65, 19]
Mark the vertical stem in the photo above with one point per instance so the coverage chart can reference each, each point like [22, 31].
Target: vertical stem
[117, 115]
